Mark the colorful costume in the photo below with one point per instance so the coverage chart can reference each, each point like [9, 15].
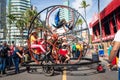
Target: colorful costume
[63, 52]
[37, 44]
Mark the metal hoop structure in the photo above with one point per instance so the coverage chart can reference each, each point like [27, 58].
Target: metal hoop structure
[47, 29]
[45, 22]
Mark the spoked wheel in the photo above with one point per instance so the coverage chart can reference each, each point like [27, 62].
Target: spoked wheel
[48, 70]
[48, 30]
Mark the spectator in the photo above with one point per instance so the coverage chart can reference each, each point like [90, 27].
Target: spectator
[101, 50]
[110, 48]
[79, 49]
[73, 49]
[17, 55]
[12, 48]
[114, 60]
[114, 51]
[3, 57]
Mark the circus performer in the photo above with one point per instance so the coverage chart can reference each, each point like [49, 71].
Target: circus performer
[35, 44]
[61, 23]
[64, 52]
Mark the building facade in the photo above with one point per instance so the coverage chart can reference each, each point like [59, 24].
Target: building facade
[64, 12]
[2, 19]
[17, 8]
[110, 21]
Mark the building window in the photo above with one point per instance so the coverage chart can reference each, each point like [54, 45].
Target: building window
[0, 26]
[118, 18]
[107, 28]
[94, 31]
[114, 24]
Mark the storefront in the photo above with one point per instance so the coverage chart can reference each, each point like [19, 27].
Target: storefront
[110, 22]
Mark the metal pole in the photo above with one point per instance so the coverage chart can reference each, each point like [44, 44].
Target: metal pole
[99, 21]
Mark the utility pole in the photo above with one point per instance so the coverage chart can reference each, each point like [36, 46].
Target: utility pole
[99, 22]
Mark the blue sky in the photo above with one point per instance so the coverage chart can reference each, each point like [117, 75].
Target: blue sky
[91, 10]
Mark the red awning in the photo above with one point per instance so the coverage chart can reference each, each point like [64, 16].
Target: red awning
[114, 4]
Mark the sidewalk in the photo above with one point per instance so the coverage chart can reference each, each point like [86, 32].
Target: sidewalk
[101, 58]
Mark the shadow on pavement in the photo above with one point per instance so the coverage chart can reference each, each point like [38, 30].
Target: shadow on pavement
[12, 72]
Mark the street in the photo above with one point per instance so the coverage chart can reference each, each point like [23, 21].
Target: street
[57, 32]
[87, 72]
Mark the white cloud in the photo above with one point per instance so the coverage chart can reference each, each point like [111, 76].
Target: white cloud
[76, 5]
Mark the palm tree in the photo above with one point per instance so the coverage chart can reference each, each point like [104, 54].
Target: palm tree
[99, 21]
[20, 24]
[11, 19]
[84, 5]
[28, 16]
[80, 22]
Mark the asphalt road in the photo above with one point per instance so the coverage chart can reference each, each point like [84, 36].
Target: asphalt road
[70, 73]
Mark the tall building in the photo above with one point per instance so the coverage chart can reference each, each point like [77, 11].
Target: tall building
[2, 18]
[17, 8]
[64, 12]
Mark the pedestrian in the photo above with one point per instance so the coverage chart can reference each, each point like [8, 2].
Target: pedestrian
[79, 49]
[3, 57]
[114, 51]
[74, 50]
[17, 55]
[12, 48]
[101, 50]
[110, 48]
[114, 62]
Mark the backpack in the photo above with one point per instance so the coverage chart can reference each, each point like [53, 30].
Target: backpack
[3, 52]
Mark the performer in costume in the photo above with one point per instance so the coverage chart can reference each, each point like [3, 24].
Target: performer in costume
[34, 42]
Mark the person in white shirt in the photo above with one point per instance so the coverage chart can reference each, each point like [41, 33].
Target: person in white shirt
[114, 51]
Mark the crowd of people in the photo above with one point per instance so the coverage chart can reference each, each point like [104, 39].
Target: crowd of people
[11, 55]
[63, 47]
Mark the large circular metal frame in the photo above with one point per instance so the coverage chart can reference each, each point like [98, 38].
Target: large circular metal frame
[46, 27]
[49, 10]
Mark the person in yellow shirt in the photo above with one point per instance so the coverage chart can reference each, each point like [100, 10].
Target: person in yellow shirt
[79, 49]
[34, 42]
